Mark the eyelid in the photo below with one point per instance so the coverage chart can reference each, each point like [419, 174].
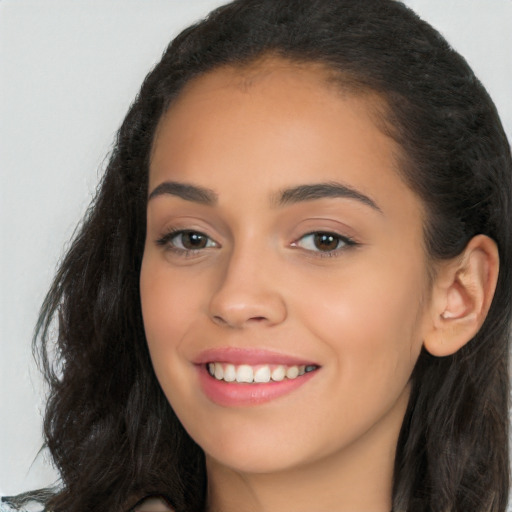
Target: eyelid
[347, 243]
[166, 241]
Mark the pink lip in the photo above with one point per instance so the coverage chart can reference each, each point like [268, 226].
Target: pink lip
[236, 355]
[234, 394]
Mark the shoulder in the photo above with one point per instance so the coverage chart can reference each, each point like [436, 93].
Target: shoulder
[151, 504]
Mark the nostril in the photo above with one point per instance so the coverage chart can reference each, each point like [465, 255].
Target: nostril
[239, 310]
[219, 320]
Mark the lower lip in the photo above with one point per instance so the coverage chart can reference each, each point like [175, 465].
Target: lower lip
[234, 394]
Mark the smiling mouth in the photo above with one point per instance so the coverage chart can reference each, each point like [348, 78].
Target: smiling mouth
[254, 374]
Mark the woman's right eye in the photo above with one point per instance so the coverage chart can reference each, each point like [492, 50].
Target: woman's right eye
[187, 240]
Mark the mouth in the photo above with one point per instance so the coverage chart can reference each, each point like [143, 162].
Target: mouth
[235, 377]
[262, 373]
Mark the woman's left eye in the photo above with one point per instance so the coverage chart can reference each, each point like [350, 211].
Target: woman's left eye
[187, 240]
[324, 242]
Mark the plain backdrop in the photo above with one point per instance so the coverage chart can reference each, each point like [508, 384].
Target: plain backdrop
[68, 72]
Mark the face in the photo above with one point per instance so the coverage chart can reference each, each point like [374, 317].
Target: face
[283, 248]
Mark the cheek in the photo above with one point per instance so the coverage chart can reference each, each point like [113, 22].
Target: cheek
[369, 316]
[169, 306]
[169, 301]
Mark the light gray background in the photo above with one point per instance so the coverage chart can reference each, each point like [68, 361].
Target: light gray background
[68, 72]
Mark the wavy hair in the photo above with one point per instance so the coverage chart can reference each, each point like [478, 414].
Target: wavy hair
[111, 432]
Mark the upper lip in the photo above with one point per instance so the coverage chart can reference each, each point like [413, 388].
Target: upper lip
[237, 356]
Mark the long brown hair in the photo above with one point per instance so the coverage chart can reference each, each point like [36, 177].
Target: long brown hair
[108, 426]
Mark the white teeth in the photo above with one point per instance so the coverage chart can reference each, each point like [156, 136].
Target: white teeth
[262, 374]
[219, 371]
[245, 373]
[278, 374]
[292, 372]
[229, 373]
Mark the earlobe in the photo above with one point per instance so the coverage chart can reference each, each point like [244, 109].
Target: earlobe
[461, 297]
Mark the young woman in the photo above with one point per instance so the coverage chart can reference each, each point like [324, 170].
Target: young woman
[293, 289]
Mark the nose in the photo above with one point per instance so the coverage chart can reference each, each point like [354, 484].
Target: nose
[247, 293]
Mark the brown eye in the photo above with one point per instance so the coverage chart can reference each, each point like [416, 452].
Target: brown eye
[325, 242]
[193, 240]
[186, 240]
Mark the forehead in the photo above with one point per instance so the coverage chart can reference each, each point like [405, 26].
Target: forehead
[302, 88]
[276, 124]
[271, 76]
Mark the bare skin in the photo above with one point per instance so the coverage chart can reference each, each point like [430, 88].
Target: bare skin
[357, 303]
[153, 505]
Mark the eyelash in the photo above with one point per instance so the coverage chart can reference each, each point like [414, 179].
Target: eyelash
[166, 241]
[347, 242]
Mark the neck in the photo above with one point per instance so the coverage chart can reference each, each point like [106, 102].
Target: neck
[357, 478]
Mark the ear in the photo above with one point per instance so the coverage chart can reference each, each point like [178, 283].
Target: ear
[461, 296]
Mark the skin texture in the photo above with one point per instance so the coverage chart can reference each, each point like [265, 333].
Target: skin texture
[153, 505]
[361, 312]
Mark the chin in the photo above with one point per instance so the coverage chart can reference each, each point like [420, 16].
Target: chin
[260, 449]
[255, 460]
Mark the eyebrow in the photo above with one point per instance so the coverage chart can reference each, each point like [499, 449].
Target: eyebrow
[321, 191]
[185, 191]
[293, 195]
